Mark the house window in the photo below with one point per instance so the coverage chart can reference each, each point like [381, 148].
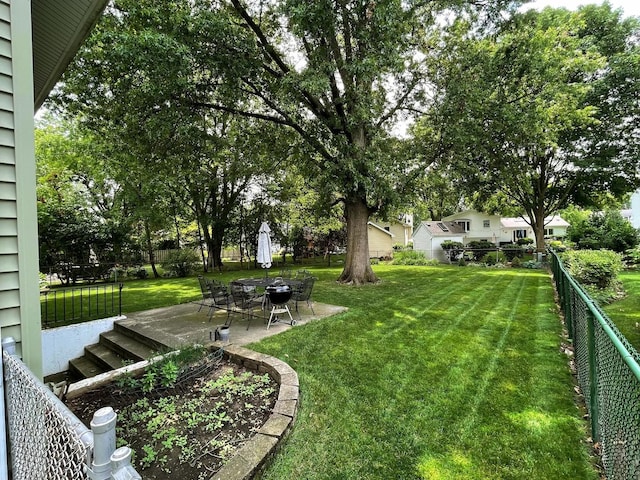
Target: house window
[519, 234]
[466, 224]
[486, 223]
[548, 231]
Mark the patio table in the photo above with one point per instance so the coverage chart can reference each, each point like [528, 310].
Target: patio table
[264, 282]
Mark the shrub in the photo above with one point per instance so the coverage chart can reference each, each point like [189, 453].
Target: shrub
[492, 258]
[525, 241]
[557, 245]
[597, 268]
[137, 272]
[462, 262]
[181, 263]
[410, 257]
[532, 264]
[480, 248]
[512, 251]
[452, 249]
[632, 258]
[608, 230]
[516, 262]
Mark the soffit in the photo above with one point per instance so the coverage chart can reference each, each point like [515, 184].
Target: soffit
[58, 28]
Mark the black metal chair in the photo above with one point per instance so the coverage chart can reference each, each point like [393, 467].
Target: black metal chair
[303, 293]
[219, 299]
[206, 292]
[246, 300]
[285, 272]
[302, 274]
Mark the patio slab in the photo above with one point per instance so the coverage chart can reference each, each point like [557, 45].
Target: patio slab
[181, 325]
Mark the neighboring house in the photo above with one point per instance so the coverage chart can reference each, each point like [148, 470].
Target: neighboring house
[428, 238]
[38, 39]
[634, 215]
[515, 228]
[383, 235]
[381, 241]
[471, 225]
[478, 226]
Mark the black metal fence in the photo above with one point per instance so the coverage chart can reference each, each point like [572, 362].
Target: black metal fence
[608, 373]
[60, 307]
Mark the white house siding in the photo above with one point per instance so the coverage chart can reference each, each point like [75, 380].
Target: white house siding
[431, 246]
[19, 292]
[635, 209]
[477, 231]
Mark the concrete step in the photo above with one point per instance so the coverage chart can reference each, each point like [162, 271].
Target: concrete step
[152, 338]
[126, 347]
[83, 367]
[104, 356]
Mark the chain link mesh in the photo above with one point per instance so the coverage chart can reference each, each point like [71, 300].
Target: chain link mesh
[607, 370]
[46, 441]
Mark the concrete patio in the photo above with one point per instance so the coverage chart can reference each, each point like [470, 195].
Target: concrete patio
[183, 324]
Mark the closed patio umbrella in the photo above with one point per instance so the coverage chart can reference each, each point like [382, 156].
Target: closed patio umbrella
[264, 245]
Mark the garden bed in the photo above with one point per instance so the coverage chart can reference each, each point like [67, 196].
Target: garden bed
[188, 427]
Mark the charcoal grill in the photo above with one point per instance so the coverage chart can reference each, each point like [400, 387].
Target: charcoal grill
[279, 295]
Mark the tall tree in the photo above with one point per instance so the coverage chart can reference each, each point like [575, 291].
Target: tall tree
[165, 151]
[79, 205]
[340, 74]
[544, 111]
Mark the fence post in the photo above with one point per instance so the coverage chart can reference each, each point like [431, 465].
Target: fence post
[121, 286]
[103, 426]
[121, 465]
[594, 412]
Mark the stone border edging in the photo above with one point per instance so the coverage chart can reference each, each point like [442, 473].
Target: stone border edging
[252, 457]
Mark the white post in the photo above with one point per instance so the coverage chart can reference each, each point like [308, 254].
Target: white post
[121, 465]
[103, 427]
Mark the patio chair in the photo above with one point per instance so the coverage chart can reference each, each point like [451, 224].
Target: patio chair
[220, 299]
[245, 300]
[206, 292]
[302, 274]
[285, 272]
[303, 293]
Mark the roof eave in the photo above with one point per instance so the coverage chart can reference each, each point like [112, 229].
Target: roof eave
[53, 47]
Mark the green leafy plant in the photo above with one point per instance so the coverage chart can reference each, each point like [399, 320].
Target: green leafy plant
[410, 257]
[494, 258]
[181, 263]
[597, 271]
[512, 251]
[525, 241]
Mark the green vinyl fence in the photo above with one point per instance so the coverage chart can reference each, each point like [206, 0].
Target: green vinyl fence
[608, 375]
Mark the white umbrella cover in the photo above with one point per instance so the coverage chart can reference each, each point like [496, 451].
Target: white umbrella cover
[264, 245]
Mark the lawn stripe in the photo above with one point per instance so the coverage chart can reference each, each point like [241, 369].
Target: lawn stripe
[433, 374]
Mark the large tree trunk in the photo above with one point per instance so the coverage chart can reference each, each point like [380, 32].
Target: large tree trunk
[538, 232]
[149, 245]
[357, 266]
[215, 248]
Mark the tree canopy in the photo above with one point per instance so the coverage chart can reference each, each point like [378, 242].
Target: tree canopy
[338, 74]
[543, 111]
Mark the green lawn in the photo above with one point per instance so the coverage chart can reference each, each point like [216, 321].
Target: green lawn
[625, 313]
[436, 373]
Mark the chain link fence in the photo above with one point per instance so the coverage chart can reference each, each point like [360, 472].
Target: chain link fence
[47, 441]
[608, 374]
